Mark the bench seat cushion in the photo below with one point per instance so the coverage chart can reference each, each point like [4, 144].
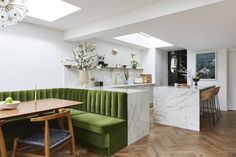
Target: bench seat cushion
[97, 123]
[74, 112]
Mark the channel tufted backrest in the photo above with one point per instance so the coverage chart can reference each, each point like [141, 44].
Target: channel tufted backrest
[112, 104]
[108, 103]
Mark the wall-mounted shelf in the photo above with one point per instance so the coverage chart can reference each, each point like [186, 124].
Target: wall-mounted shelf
[111, 68]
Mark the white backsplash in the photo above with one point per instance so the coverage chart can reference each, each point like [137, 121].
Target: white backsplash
[107, 75]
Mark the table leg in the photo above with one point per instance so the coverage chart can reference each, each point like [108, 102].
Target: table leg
[2, 144]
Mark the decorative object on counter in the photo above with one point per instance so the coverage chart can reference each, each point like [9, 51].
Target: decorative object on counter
[188, 74]
[196, 79]
[127, 75]
[114, 51]
[117, 80]
[101, 60]
[147, 78]
[12, 12]
[118, 66]
[134, 62]
[176, 85]
[85, 61]
[99, 83]
[138, 80]
[105, 65]
[206, 65]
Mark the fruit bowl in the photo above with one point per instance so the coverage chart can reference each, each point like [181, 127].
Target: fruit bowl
[9, 106]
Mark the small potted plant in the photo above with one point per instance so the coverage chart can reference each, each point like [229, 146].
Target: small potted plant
[127, 76]
[196, 79]
[101, 60]
[134, 62]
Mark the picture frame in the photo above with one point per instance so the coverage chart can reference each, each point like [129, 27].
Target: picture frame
[206, 65]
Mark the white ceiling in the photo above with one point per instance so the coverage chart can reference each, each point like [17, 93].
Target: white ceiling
[92, 10]
[196, 25]
[209, 27]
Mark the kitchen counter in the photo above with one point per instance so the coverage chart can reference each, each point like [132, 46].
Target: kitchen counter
[178, 107]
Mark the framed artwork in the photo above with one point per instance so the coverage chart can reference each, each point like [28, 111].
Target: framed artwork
[206, 65]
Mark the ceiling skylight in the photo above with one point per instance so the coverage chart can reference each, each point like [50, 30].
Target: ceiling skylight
[49, 10]
[144, 40]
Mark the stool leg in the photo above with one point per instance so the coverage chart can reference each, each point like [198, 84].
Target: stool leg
[208, 111]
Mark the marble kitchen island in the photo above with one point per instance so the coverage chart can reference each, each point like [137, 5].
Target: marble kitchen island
[178, 107]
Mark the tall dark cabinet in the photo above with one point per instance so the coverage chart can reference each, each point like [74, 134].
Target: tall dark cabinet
[175, 59]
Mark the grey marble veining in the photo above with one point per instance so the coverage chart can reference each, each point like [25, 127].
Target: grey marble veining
[138, 116]
[177, 107]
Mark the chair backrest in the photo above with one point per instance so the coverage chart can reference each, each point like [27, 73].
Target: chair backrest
[64, 113]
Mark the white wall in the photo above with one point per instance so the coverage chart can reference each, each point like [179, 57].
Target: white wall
[161, 67]
[232, 80]
[222, 74]
[123, 56]
[149, 62]
[31, 53]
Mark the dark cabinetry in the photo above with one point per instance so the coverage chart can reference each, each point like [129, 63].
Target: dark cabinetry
[175, 59]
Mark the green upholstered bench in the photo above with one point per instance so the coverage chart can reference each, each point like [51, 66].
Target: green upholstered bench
[101, 123]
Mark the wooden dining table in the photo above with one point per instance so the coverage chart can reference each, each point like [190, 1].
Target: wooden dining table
[30, 108]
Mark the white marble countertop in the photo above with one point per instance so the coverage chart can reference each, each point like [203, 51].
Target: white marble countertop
[132, 85]
[125, 90]
[190, 88]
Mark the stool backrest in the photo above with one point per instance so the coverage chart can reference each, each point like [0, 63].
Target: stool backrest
[217, 90]
[207, 94]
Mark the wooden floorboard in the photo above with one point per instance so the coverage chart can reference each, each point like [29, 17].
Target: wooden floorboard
[165, 141]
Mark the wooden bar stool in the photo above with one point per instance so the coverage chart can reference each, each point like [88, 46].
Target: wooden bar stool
[207, 105]
[2, 142]
[50, 139]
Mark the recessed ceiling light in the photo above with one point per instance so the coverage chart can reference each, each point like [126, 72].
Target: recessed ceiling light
[49, 10]
[144, 40]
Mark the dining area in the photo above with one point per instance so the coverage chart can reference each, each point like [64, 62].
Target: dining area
[41, 111]
[40, 122]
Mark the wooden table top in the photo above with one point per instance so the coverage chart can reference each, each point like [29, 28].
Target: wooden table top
[30, 108]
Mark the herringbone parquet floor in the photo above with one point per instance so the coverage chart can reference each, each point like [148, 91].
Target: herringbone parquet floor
[165, 141]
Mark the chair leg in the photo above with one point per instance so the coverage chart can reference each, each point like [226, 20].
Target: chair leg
[73, 147]
[15, 147]
[3, 150]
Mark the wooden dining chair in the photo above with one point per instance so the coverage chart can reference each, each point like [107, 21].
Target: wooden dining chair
[2, 142]
[50, 139]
